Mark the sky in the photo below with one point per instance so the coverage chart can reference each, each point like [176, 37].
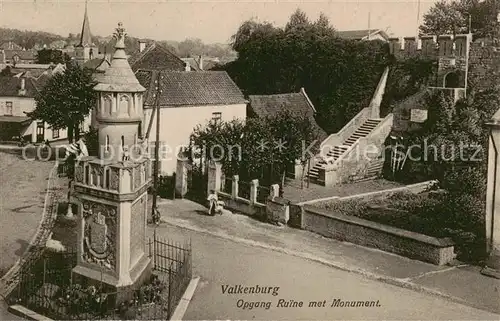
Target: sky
[213, 21]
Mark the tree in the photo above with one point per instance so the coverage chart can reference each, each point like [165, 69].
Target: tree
[191, 48]
[259, 148]
[297, 20]
[444, 18]
[47, 56]
[453, 17]
[66, 100]
[339, 75]
[6, 72]
[251, 29]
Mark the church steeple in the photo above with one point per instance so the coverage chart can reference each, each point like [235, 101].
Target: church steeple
[86, 49]
[86, 36]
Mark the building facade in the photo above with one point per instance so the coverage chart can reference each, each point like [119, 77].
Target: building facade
[187, 100]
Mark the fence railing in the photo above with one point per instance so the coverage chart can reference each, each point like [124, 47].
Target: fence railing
[263, 193]
[244, 190]
[48, 287]
[227, 185]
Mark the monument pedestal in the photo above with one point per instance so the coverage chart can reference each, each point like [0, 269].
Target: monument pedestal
[124, 287]
[112, 206]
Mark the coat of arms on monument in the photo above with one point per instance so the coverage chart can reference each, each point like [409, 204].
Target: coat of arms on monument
[99, 234]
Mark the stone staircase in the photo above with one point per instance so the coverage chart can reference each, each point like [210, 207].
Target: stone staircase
[337, 151]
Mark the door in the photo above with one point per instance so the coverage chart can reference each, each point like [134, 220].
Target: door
[40, 132]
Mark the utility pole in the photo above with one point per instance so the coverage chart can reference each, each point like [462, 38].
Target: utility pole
[157, 150]
[369, 18]
[418, 20]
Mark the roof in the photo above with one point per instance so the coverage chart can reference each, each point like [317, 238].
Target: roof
[42, 81]
[9, 45]
[33, 73]
[193, 63]
[86, 36]
[14, 119]
[119, 77]
[9, 87]
[157, 57]
[23, 54]
[32, 66]
[296, 103]
[97, 64]
[207, 63]
[191, 88]
[361, 34]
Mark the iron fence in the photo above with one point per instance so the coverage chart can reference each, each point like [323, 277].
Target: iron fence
[244, 190]
[63, 169]
[48, 286]
[262, 193]
[227, 186]
[166, 186]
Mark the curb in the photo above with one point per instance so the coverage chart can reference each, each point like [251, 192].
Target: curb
[181, 308]
[404, 283]
[38, 233]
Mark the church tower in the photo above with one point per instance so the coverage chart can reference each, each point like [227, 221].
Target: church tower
[111, 190]
[86, 49]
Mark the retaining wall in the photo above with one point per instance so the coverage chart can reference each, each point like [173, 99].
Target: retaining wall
[352, 229]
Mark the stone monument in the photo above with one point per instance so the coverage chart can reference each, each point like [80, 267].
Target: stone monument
[492, 218]
[110, 191]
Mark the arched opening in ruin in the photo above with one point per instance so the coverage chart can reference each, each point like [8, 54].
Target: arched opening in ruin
[452, 80]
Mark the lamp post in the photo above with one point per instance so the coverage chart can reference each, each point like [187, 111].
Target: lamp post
[154, 210]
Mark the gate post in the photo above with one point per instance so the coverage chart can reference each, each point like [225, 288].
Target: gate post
[214, 176]
[181, 175]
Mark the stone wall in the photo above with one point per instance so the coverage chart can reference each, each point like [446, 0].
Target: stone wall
[413, 188]
[484, 64]
[345, 228]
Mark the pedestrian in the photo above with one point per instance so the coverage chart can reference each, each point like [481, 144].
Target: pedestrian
[214, 205]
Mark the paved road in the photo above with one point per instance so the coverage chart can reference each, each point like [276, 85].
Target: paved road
[221, 262]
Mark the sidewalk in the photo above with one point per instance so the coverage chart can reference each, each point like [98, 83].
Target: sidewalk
[462, 283]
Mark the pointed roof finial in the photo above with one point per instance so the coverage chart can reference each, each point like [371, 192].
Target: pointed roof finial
[120, 36]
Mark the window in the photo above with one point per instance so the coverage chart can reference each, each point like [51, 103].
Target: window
[55, 133]
[106, 146]
[8, 108]
[216, 117]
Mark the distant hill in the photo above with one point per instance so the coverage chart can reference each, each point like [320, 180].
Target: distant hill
[187, 48]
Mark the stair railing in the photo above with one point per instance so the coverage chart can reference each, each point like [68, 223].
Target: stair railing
[362, 141]
[339, 137]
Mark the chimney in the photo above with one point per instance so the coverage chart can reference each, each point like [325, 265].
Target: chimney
[200, 63]
[142, 45]
[188, 66]
[22, 90]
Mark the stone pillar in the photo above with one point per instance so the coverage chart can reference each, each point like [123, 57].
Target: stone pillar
[492, 218]
[254, 185]
[234, 189]
[181, 175]
[275, 191]
[298, 169]
[214, 176]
